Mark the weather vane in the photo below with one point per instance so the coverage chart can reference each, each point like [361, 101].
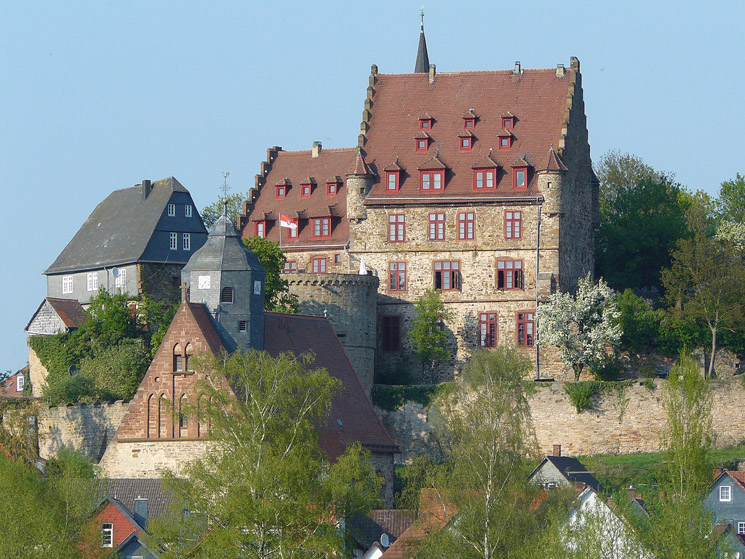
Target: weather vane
[225, 186]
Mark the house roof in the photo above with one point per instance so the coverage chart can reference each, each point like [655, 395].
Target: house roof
[572, 469]
[223, 251]
[294, 167]
[126, 490]
[70, 312]
[537, 98]
[301, 334]
[118, 230]
[736, 475]
[366, 529]
[9, 387]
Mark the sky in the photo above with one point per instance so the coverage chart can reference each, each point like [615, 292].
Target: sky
[96, 96]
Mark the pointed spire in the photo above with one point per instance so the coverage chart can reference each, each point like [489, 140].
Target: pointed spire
[422, 59]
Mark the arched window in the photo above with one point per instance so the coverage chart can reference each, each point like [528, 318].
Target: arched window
[178, 358]
[188, 364]
[226, 295]
[162, 417]
[183, 424]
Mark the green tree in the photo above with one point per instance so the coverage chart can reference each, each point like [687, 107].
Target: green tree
[278, 297]
[211, 213]
[732, 199]
[619, 173]
[706, 283]
[581, 326]
[266, 489]
[116, 371]
[427, 333]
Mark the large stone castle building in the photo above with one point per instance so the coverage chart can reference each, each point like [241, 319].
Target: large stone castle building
[476, 184]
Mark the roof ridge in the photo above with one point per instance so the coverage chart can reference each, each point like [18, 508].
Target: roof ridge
[462, 72]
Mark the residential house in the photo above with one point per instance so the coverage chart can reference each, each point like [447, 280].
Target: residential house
[377, 530]
[562, 471]
[16, 385]
[726, 499]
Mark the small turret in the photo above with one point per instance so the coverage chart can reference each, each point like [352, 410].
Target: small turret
[359, 181]
[422, 58]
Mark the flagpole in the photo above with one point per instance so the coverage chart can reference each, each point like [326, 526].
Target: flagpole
[280, 231]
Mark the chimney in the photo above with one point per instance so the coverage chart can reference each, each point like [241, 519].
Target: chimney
[147, 187]
[717, 472]
[141, 511]
[631, 493]
[560, 70]
[557, 450]
[316, 150]
[517, 70]
[432, 72]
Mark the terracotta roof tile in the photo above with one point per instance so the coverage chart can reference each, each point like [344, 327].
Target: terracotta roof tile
[465, 134]
[297, 167]
[70, 311]
[554, 161]
[537, 96]
[485, 163]
[505, 134]
[521, 162]
[360, 166]
[393, 167]
[433, 163]
[470, 114]
[421, 135]
[367, 529]
[9, 387]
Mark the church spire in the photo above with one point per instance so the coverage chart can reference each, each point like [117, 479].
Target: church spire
[422, 59]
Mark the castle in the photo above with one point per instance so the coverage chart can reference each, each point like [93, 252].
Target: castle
[476, 184]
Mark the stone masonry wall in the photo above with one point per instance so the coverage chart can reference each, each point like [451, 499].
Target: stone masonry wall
[86, 427]
[608, 428]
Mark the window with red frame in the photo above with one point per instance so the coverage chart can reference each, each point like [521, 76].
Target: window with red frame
[292, 233]
[280, 192]
[290, 267]
[332, 188]
[421, 144]
[391, 180]
[437, 227]
[513, 225]
[466, 143]
[525, 328]
[391, 334]
[321, 227]
[306, 190]
[397, 276]
[319, 265]
[505, 142]
[425, 124]
[508, 122]
[397, 228]
[430, 181]
[469, 123]
[260, 229]
[466, 226]
[510, 274]
[520, 178]
[446, 275]
[488, 329]
[484, 178]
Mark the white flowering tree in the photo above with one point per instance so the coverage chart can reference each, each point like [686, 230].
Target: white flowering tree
[580, 326]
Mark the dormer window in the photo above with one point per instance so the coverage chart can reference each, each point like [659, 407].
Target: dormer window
[505, 139]
[393, 177]
[322, 227]
[465, 140]
[425, 122]
[520, 175]
[280, 192]
[421, 141]
[260, 229]
[432, 176]
[508, 121]
[485, 173]
[469, 120]
[306, 189]
[332, 187]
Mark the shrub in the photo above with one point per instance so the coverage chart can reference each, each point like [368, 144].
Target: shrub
[398, 374]
[640, 322]
[648, 383]
[581, 393]
[392, 397]
[117, 371]
[69, 389]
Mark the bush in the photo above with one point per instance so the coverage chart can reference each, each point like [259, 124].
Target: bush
[607, 370]
[392, 397]
[398, 374]
[67, 389]
[648, 383]
[677, 333]
[581, 393]
[640, 322]
[117, 371]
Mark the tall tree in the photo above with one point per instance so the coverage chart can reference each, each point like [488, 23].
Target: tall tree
[211, 213]
[619, 173]
[706, 283]
[732, 199]
[266, 490]
[580, 326]
[278, 297]
[427, 333]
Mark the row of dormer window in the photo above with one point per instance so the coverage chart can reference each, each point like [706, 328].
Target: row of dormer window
[422, 140]
[307, 188]
[466, 226]
[434, 180]
[321, 228]
[426, 121]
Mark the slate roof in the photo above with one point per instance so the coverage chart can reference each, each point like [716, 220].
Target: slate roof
[223, 251]
[70, 312]
[367, 529]
[118, 231]
[537, 98]
[422, 58]
[295, 167]
[125, 491]
[572, 469]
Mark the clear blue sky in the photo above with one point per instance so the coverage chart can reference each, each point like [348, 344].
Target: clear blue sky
[96, 96]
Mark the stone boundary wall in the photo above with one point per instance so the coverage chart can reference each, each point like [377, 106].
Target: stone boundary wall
[611, 427]
[85, 427]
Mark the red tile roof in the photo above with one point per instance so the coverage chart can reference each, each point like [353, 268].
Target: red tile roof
[9, 387]
[295, 168]
[536, 98]
[70, 311]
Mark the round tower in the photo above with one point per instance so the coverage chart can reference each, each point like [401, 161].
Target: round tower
[228, 279]
[359, 182]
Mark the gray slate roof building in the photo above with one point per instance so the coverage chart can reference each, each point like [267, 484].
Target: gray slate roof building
[563, 470]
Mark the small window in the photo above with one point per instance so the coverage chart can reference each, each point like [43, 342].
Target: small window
[332, 188]
[187, 210]
[337, 258]
[242, 325]
[466, 226]
[484, 178]
[20, 382]
[396, 228]
[466, 143]
[488, 329]
[187, 358]
[306, 190]
[520, 178]
[171, 210]
[120, 283]
[505, 142]
[437, 227]
[397, 276]
[421, 144]
[174, 241]
[509, 274]
[391, 333]
[468, 123]
[92, 281]
[290, 267]
[431, 180]
[525, 328]
[392, 180]
[741, 528]
[186, 241]
[725, 493]
[226, 295]
[322, 228]
[447, 275]
[178, 358]
[280, 192]
[260, 229]
[107, 534]
[424, 125]
[66, 284]
[508, 122]
[319, 265]
[512, 225]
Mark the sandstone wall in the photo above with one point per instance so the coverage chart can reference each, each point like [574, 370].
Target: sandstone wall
[614, 425]
[86, 427]
[149, 459]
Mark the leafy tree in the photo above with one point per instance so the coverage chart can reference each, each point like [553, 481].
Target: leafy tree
[732, 199]
[487, 436]
[619, 173]
[278, 297]
[266, 489]
[732, 232]
[426, 333]
[580, 326]
[211, 213]
[637, 232]
[116, 371]
[639, 321]
[706, 283]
